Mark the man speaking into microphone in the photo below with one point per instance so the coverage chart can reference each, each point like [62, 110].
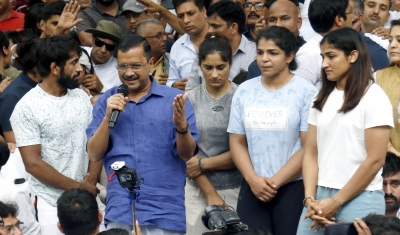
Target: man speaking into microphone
[155, 133]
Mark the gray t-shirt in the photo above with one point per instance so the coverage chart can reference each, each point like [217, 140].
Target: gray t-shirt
[212, 119]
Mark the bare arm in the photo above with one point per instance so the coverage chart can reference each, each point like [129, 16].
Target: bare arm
[292, 169]
[94, 170]
[46, 174]
[98, 143]
[86, 39]
[208, 189]
[10, 139]
[310, 162]
[220, 162]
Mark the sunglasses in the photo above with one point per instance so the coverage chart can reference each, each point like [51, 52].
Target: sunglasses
[100, 43]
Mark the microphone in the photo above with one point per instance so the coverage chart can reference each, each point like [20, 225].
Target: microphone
[123, 90]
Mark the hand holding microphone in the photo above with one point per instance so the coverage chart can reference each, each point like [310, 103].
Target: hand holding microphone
[115, 104]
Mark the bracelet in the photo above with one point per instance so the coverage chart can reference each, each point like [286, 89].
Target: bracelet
[305, 200]
[200, 166]
[183, 132]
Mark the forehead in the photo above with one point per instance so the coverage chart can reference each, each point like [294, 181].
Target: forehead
[266, 44]
[186, 7]
[392, 177]
[53, 18]
[10, 221]
[378, 2]
[255, 1]
[215, 19]
[283, 8]
[395, 31]
[133, 55]
[73, 55]
[151, 28]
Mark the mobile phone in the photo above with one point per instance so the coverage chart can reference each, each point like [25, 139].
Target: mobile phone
[342, 229]
[19, 181]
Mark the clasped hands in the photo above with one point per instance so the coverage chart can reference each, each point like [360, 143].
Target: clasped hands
[321, 212]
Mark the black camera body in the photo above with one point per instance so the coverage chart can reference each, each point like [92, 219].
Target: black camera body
[225, 220]
[127, 177]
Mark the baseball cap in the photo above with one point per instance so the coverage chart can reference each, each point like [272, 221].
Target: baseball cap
[107, 29]
[132, 5]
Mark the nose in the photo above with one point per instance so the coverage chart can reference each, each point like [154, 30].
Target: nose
[186, 19]
[279, 23]
[211, 29]
[103, 49]
[376, 9]
[324, 63]
[214, 73]
[78, 67]
[129, 72]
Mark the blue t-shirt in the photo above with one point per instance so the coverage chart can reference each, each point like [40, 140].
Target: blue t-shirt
[145, 138]
[271, 120]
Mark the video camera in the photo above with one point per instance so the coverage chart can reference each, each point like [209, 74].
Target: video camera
[225, 220]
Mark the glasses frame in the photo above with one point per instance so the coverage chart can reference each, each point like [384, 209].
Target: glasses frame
[246, 8]
[12, 227]
[100, 43]
[134, 15]
[131, 67]
[159, 37]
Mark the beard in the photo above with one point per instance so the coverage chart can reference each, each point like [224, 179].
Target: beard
[68, 81]
[106, 2]
[393, 206]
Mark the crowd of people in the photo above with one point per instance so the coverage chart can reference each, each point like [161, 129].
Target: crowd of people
[285, 112]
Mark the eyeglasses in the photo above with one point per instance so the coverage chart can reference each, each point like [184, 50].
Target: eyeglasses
[134, 15]
[100, 43]
[134, 67]
[352, 12]
[258, 6]
[158, 36]
[11, 228]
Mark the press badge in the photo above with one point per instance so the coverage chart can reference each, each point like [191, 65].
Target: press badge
[266, 118]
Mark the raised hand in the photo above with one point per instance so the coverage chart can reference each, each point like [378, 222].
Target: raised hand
[179, 116]
[68, 18]
[260, 25]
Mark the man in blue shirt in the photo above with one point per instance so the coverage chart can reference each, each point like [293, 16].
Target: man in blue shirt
[155, 134]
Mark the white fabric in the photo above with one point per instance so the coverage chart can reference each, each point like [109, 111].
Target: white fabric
[15, 169]
[107, 72]
[384, 43]
[47, 216]
[394, 15]
[398, 214]
[10, 193]
[181, 59]
[58, 125]
[306, 31]
[196, 203]
[341, 137]
[310, 61]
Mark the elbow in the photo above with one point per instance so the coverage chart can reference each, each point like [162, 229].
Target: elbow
[31, 167]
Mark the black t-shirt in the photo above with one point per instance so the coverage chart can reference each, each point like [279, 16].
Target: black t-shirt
[10, 97]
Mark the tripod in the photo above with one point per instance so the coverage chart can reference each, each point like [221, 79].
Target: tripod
[132, 195]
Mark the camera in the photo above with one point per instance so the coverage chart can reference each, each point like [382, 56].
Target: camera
[127, 177]
[225, 220]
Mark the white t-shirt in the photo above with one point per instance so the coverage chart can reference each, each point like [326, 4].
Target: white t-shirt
[107, 72]
[341, 136]
[58, 124]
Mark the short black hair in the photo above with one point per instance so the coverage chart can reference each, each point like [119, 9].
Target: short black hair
[78, 212]
[56, 49]
[382, 225]
[114, 231]
[392, 165]
[322, 13]
[132, 41]
[198, 3]
[8, 209]
[33, 16]
[394, 23]
[4, 42]
[230, 12]
[26, 51]
[54, 8]
[4, 153]
[12, 35]
[215, 44]
[284, 39]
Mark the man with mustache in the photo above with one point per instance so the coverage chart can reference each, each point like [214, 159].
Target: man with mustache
[391, 184]
[376, 14]
[49, 124]
[109, 10]
[254, 9]
[105, 37]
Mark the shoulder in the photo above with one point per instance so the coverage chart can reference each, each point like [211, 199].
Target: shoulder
[306, 86]
[179, 43]
[375, 91]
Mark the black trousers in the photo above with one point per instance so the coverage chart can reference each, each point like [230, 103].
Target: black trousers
[280, 216]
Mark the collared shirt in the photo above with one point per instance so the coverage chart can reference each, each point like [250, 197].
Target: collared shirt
[247, 34]
[382, 42]
[309, 60]
[10, 97]
[240, 62]
[181, 59]
[15, 22]
[93, 14]
[107, 72]
[145, 138]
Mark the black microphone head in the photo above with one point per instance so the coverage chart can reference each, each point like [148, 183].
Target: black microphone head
[123, 89]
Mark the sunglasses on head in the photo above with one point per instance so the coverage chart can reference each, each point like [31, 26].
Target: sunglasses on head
[100, 43]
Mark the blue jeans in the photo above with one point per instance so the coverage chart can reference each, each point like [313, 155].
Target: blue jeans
[365, 203]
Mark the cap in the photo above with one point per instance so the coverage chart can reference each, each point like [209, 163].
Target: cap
[132, 5]
[107, 29]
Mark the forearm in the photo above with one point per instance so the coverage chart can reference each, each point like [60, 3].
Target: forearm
[85, 39]
[185, 145]
[10, 137]
[220, 162]
[98, 143]
[46, 174]
[290, 171]
[310, 174]
[59, 31]
[359, 181]
[171, 20]
[94, 170]
[241, 157]
[205, 185]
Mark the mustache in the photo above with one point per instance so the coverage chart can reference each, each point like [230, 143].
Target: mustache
[387, 196]
[373, 14]
[76, 75]
[253, 14]
[130, 78]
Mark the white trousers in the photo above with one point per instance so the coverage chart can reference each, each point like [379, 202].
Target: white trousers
[196, 203]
